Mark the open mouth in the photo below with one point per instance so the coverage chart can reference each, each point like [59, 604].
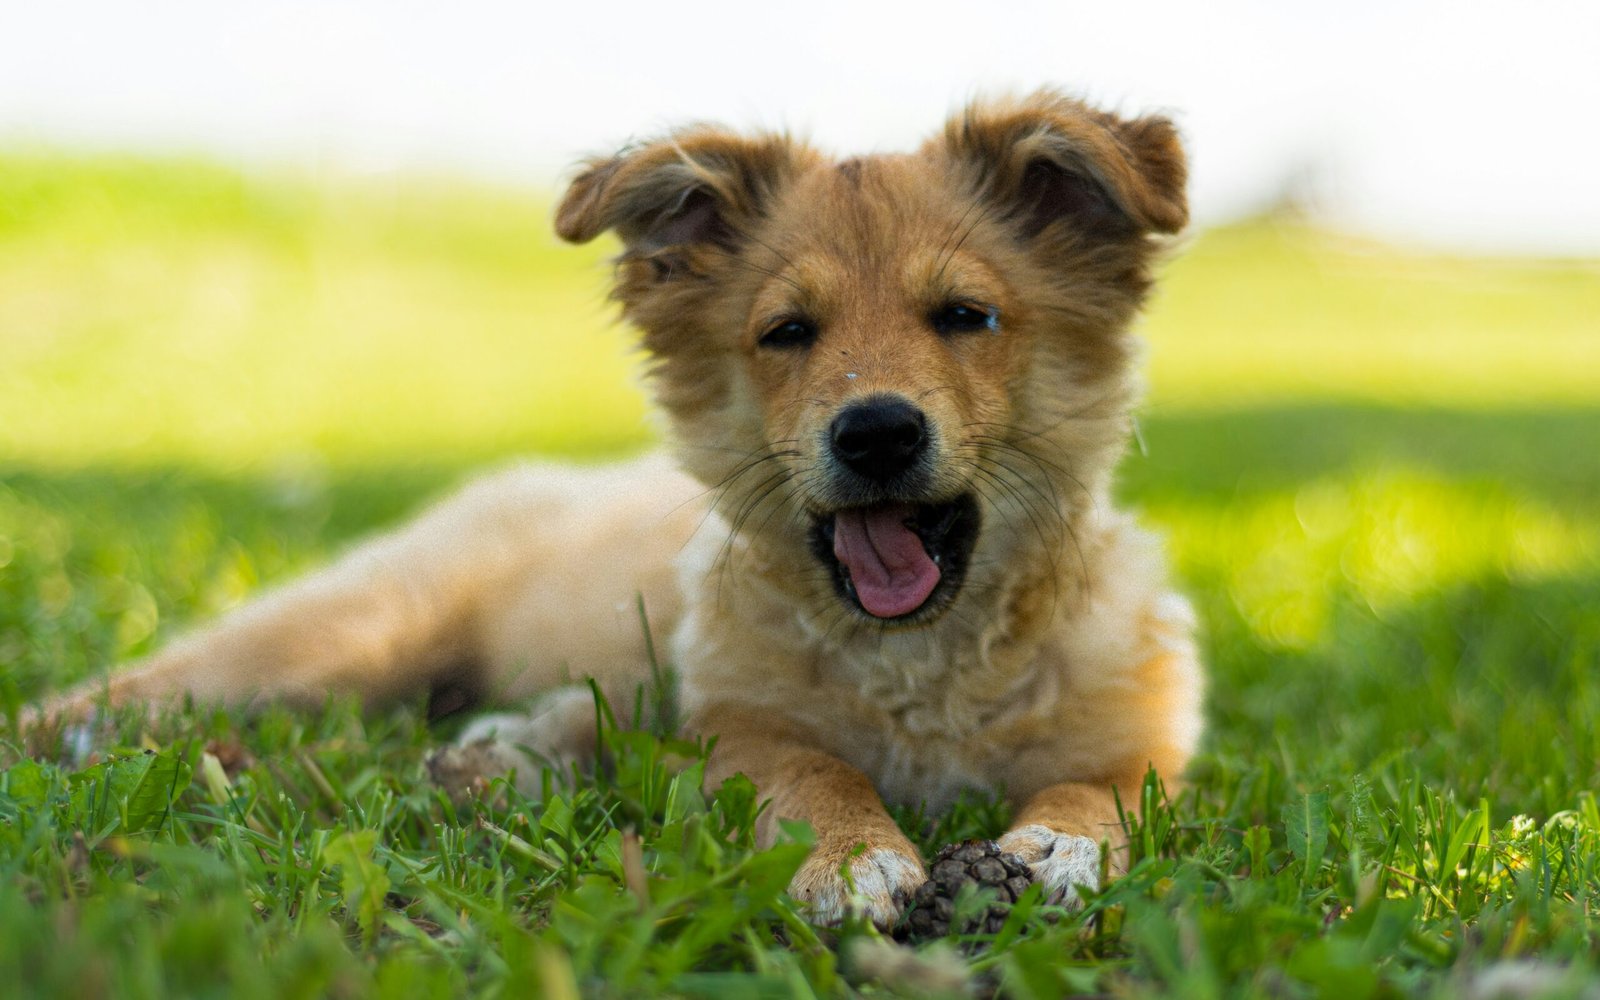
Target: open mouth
[898, 561]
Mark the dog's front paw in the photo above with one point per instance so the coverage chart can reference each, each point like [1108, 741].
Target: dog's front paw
[880, 882]
[1059, 861]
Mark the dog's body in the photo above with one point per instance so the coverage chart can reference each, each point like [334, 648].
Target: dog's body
[890, 570]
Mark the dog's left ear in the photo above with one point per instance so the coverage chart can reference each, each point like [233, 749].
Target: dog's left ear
[1052, 159]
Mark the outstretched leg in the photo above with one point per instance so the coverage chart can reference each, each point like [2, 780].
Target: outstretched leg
[517, 582]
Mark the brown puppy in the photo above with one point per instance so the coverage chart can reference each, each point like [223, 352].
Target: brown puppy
[904, 381]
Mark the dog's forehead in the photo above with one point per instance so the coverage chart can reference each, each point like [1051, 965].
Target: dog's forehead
[869, 233]
[868, 206]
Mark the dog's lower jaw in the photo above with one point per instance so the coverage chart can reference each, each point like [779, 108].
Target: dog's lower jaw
[948, 531]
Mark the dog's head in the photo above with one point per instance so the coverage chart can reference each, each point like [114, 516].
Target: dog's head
[895, 362]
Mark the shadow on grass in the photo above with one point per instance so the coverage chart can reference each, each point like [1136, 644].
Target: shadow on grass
[1552, 455]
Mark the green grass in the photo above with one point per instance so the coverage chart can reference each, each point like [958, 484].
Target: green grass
[1378, 473]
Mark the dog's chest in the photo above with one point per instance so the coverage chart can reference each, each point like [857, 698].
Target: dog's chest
[926, 734]
[932, 767]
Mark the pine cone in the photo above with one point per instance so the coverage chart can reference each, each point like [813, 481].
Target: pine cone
[977, 862]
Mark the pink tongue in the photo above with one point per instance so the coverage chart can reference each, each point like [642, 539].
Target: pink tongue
[890, 569]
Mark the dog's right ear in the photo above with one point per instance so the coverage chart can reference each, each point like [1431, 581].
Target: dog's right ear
[701, 185]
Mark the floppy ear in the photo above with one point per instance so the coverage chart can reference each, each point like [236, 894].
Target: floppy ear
[698, 185]
[1053, 159]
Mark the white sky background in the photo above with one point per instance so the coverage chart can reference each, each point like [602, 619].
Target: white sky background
[1459, 124]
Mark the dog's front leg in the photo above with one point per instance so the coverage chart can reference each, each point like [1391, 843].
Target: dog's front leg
[862, 863]
[1058, 832]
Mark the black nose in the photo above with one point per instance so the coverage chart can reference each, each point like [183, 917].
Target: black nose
[879, 437]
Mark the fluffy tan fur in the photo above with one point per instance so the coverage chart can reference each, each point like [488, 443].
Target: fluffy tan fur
[1063, 667]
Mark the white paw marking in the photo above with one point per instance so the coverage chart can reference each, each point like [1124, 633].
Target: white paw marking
[508, 727]
[494, 746]
[1059, 861]
[78, 740]
[883, 880]
[465, 770]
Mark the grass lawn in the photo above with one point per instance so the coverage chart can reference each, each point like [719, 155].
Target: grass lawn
[1379, 473]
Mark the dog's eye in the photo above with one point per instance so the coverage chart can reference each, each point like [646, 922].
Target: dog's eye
[964, 318]
[790, 333]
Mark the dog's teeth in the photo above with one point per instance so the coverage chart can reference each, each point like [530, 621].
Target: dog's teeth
[936, 559]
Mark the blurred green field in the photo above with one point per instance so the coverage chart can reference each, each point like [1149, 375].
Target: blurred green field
[184, 313]
[1379, 472]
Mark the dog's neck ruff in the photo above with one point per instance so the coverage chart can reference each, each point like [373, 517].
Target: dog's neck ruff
[950, 675]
